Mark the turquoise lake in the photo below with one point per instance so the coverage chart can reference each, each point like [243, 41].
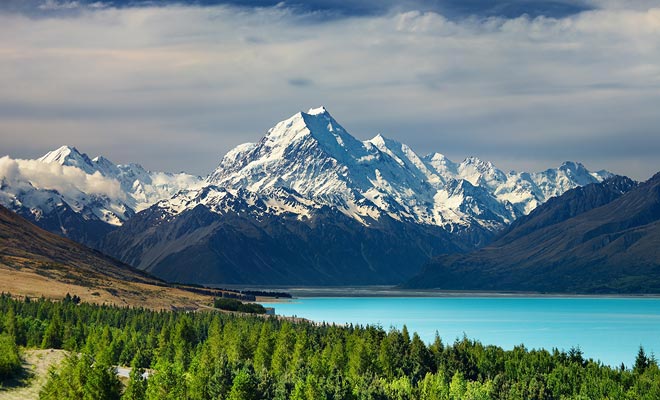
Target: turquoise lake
[606, 329]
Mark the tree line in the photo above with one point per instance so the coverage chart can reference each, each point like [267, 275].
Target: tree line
[230, 304]
[213, 355]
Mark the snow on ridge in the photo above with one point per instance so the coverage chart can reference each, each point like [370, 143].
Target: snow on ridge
[95, 188]
[311, 154]
[41, 187]
[59, 155]
[317, 111]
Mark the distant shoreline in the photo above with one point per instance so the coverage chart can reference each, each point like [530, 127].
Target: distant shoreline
[392, 291]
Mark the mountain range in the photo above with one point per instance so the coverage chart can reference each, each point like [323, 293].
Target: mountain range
[307, 204]
[310, 204]
[68, 193]
[601, 238]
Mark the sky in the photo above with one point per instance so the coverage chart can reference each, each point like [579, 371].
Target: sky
[174, 85]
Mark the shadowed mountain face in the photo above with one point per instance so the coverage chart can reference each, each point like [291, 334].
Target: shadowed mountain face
[244, 245]
[24, 245]
[570, 204]
[603, 238]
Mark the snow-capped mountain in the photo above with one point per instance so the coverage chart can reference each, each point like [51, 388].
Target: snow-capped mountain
[311, 204]
[68, 193]
[143, 188]
[319, 163]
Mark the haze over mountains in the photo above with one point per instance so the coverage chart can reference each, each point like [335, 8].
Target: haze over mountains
[307, 204]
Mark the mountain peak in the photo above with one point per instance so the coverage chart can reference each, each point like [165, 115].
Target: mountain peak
[316, 124]
[318, 111]
[435, 157]
[102, 161]
[655, 177]
[311, 154]
[60, 154]
[68, 155]
[474, 160]
[579, 172]
[380, 141]
[571, 165]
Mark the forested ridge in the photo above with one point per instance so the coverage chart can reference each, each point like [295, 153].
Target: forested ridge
[213, 355]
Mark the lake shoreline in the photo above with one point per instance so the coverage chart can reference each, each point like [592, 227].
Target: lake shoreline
[393, 291]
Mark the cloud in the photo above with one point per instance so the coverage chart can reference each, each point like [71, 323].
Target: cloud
[9, 169]
[59, 5]
[176, 87]
[639, 5]
[300, 82]
[66, 180]
[333, 9]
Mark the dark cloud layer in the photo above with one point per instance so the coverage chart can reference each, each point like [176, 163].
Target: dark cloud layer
[177, 86]
[328, 8]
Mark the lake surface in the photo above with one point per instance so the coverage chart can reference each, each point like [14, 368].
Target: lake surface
[607, 329]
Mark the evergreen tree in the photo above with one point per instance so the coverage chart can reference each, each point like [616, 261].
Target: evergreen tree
[243, 387]
[264, 352]
[137, 384]
[420, 358]
[457, 387]
[10, 325]
[642, 362]
[80, 378]
[167, 383]
[283, 350]
[433, 387]
[101, 383]
[52, 338]
[10, 361]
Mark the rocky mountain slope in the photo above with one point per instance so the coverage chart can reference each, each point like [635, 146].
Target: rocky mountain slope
[602, 238]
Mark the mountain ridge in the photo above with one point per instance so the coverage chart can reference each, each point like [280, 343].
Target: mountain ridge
[603, 248]
[313, 155]
[364, 179]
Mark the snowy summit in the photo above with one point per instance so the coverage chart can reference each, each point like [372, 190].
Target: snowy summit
[313, 159]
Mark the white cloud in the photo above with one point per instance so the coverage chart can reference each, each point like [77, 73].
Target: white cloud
[182, 85]
[58, 5]
[640, 5]
[66, 180]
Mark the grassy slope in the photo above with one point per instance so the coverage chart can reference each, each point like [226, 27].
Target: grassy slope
[34, 262]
